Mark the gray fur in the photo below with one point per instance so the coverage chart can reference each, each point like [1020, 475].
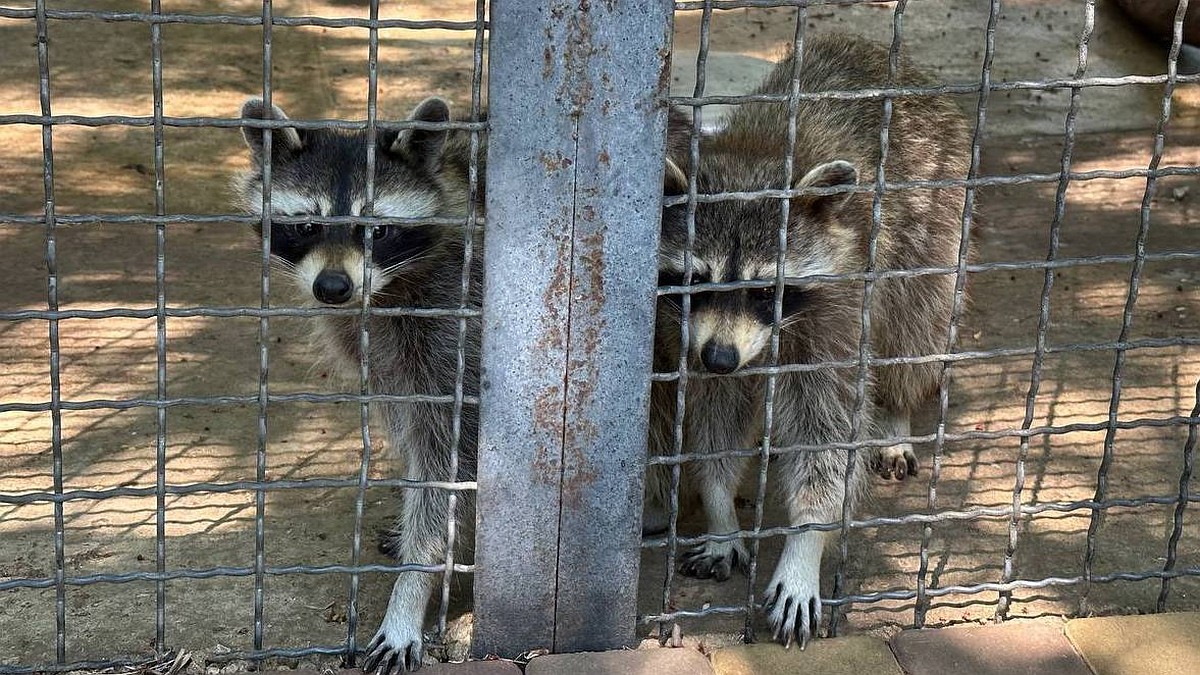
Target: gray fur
[837, 143]
[325, 170]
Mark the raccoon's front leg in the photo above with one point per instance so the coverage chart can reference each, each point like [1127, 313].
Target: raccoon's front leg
[398, 645]
[655, 517]
[718, 481]
[813, 487]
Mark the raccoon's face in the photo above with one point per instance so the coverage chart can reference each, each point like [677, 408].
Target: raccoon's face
[323, 173]
[738, 241]
[732, 327]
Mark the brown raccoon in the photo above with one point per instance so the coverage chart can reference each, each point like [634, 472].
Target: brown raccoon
[837, 144]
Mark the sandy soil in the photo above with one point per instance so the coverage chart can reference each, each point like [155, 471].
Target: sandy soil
[103, 68]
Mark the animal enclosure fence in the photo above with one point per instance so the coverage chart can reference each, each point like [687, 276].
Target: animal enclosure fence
[573, 138]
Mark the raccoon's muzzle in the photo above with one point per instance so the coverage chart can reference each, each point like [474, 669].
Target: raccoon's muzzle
[333, 287]
[720, 358]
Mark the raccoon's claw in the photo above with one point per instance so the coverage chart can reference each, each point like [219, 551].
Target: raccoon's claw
[793, 617]
[387, 544]
[712, 561]
[896, 462]
[385, 658]
[700, 565]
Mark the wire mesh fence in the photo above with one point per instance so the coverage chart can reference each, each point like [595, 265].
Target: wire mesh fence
[41, 21]
[174, 464]
[913, 594]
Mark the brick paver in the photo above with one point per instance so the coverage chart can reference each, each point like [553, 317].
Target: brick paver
[468, 668]
[637, 662]
[1033, 647]
[472, 668]
[854, 655]
[1152, 644]
[1156, 644]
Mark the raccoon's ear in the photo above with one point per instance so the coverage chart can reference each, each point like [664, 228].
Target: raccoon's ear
[675, 180]
[424, 146]
[287, 139]
[829, 174]
[679, 143]
[679, 132]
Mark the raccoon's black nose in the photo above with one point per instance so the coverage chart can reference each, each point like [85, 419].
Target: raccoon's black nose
[719, 358]
[333, 287]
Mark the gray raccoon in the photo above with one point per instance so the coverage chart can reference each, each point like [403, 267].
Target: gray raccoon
[418, 174]
[837, 144]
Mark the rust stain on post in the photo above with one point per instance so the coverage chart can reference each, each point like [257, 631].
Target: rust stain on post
[588, 302]
[664, 71]
[555, 161]
[545, 466]
[577, 85]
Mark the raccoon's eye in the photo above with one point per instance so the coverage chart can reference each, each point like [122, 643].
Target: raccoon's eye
[380, 232]
[670, 279]
[765, 294]
[763, 300]
[676, 278]
[303, 230]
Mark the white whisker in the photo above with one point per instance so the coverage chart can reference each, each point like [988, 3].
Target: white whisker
[394, 268]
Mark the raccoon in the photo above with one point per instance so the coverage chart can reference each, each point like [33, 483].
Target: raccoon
[418, 174]
[837, 145]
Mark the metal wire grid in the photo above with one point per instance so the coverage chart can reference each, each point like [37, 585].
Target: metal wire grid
[264, 399]
[1098, 505]
[41, 17]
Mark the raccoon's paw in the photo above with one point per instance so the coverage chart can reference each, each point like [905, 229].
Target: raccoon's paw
[793, 610]
[896, 462]
[714, 560]
[394, 649]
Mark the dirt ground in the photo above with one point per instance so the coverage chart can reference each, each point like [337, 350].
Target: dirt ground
[104, 69]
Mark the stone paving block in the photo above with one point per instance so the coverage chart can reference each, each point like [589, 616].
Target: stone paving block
[472, 668]
[467, 668]
[637, 662]
[1150, 644]
[853, 655]
[1033, 647]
